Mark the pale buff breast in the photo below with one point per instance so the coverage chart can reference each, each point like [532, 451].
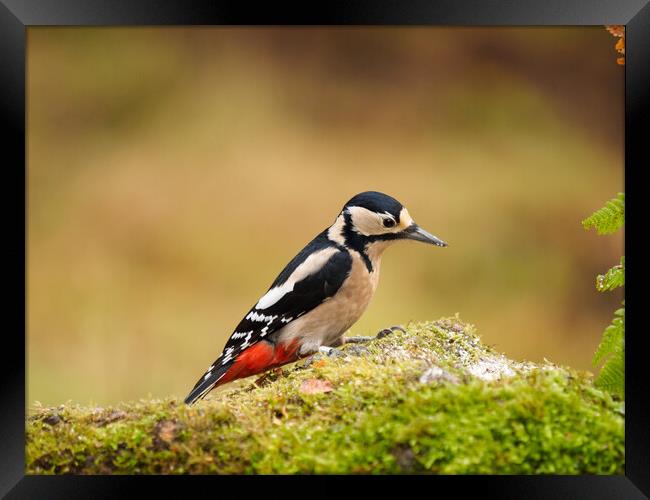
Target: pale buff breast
[329, 321]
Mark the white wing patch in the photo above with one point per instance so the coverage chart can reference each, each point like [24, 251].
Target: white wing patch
[275, 294]
[311, 265]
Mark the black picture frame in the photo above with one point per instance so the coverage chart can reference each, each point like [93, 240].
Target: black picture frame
[17, 15]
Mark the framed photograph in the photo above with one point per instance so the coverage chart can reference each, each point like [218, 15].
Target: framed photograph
[210, 192]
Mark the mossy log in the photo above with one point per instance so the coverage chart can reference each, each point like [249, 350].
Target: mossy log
[433, 399]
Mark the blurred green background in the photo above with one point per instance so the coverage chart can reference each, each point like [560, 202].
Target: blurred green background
[172, 172]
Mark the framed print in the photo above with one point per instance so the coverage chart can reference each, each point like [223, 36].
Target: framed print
[210, 191]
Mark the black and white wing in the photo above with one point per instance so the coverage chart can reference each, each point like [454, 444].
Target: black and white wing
[312, 276]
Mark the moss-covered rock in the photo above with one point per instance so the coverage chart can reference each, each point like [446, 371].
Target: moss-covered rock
[431, 399]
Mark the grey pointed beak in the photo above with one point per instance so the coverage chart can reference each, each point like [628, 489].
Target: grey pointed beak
[415, 232]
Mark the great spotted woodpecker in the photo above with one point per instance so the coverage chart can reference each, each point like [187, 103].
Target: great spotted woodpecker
[319, 295]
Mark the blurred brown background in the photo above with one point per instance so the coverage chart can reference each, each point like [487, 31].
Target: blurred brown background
[172, 172]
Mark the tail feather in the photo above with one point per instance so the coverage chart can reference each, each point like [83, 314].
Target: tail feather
[206, 383]
[255, 359]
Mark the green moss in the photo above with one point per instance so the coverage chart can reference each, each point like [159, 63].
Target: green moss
[433, 399]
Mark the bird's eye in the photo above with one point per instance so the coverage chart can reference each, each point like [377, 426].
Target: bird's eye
[389, 223]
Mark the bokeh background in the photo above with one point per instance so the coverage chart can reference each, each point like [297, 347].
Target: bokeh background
[172, 172]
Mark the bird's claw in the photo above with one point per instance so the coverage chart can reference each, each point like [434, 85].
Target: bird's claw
[381, 334]
[388, 331]
[331, 352]
[357, 340]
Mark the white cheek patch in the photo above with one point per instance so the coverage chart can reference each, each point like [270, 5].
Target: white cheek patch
[370, 223]
[311, 265]
[366, 221]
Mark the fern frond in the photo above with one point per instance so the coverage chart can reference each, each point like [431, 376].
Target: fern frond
[613, 336]
[612, 346]
[608, 219]
[612, 374]
[613, 278]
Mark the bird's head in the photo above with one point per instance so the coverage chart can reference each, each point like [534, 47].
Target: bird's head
[372, 217]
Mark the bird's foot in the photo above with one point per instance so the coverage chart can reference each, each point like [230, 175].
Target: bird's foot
[380, 334]
[331, 352]
[323, 351]
[358, 340]
[388, 331]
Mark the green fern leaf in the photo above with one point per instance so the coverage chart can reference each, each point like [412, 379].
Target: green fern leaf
[613, 336]
[608, 219]
[612, 374]
[613, 278]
